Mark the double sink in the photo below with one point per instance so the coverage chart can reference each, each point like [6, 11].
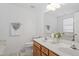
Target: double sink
[63, 47]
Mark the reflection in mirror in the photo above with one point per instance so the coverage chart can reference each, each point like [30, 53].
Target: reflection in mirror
[64, 19]
[68, 25]
[68, 28]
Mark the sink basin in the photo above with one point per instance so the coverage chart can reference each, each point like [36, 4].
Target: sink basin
[69, 51]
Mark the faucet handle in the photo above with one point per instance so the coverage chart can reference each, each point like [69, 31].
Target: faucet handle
[73, 47]
[75, 34]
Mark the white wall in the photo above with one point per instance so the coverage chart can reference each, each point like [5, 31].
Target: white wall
[30, 19]
[40, 19]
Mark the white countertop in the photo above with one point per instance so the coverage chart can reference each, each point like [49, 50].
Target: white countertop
[62, 48]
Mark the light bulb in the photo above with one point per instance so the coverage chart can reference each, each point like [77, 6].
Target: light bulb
[53, 6]
[49, 7]
[56, 5]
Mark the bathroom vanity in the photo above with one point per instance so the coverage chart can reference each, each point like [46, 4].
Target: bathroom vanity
[43, 47]
[41, 50]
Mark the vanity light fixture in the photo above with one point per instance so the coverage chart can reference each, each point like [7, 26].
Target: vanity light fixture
[53, 6]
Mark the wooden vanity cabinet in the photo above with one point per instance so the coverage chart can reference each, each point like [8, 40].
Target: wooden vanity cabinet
[40, 50]
[43, 54]
[44, 51]
[51, 53]
[36, 49]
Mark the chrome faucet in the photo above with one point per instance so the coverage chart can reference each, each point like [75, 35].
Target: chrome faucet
[73, 46]
[74, 37]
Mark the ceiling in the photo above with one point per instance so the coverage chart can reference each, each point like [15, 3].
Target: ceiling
[35, 6]
[65, 8]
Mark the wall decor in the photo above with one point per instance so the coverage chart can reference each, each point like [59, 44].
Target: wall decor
[14, 28]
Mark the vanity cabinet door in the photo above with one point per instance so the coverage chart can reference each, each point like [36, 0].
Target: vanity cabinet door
[44, 50]
[51, 53]
[36, 51]
[36, 44]
[43, 54]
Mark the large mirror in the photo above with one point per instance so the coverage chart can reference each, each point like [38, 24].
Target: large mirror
[64, 19]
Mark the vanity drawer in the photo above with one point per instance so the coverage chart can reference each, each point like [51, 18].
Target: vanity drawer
[43, 54]
[51, 53]
[44, 50]
[36, 44]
